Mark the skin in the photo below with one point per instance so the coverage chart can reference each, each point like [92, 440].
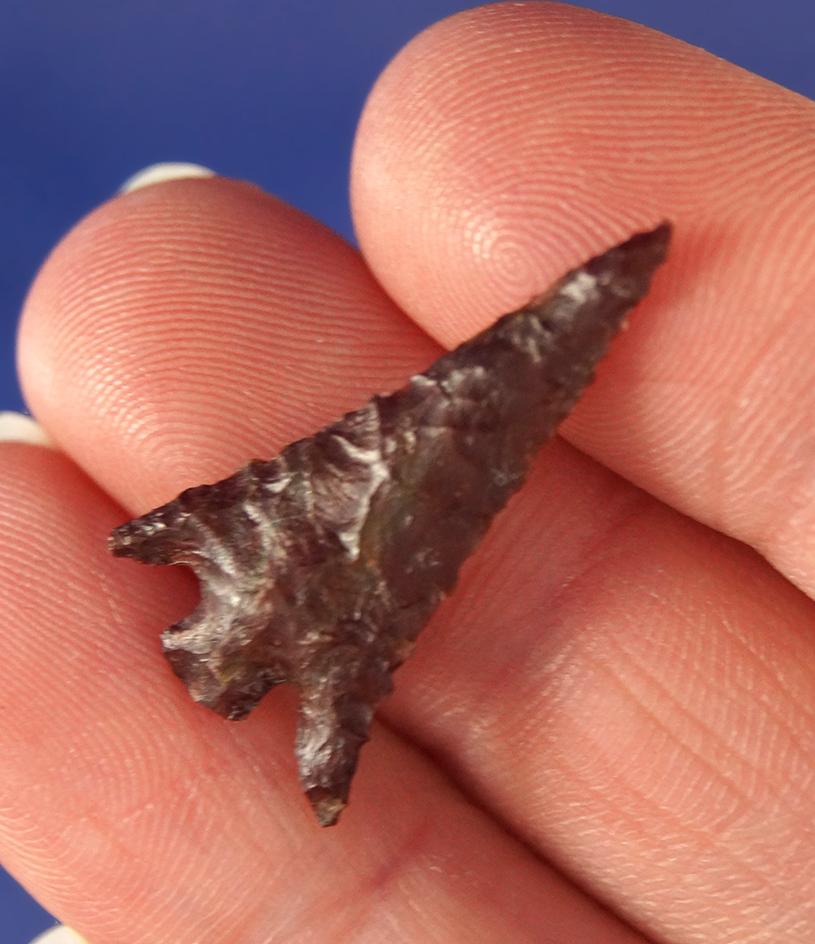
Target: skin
[607, 733]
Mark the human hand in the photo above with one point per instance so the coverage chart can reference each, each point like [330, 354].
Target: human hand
[616, 692]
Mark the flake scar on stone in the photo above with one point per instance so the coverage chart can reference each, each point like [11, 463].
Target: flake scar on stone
[321, 566]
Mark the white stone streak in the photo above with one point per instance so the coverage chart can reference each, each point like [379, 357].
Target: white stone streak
[580, 288]
[276, 486]
[462, 375]
[218, 552]
[371, 458]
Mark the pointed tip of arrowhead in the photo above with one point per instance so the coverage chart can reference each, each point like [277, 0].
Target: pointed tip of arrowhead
[650, 247]
[663, 231]
[627, 268]
[327, 807]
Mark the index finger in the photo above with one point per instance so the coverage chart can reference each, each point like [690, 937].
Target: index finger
[519, 137]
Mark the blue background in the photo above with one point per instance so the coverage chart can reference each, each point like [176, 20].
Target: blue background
[268, 90]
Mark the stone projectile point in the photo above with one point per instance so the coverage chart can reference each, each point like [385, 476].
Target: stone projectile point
[321, 566]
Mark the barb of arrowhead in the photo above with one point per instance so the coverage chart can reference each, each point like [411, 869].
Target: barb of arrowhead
[321, 566]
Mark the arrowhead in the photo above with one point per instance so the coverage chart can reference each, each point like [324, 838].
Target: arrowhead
[321, 566]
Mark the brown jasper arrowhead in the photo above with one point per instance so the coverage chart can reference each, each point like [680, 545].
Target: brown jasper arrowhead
[321, 566]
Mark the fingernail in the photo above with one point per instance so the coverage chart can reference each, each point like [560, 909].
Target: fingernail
[158, 173]
[60, 935]
[17, 427]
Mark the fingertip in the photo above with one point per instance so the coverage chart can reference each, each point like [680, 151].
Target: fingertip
[184, 328]
[472, 168]
[162, 173]
[508, 143]
[60, 935]
[20, 428]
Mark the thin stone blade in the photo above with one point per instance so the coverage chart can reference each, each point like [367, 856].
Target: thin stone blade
[321, 566]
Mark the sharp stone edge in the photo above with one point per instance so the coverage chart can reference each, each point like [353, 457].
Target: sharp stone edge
[321, 566]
